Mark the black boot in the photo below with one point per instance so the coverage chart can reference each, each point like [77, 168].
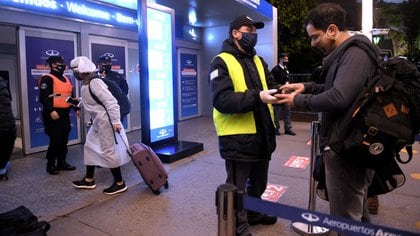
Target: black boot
[51, 169]
[65, 166]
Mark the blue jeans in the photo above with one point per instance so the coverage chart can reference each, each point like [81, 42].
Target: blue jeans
[286, 116]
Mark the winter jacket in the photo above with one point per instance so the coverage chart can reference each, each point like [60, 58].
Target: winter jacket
[346, 71]
[7, 120]
[100, 147]
[243, 147]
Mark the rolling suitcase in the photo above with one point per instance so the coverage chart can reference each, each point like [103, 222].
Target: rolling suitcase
[150, 167]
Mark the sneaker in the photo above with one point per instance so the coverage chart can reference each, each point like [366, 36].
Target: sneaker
[115, 188]
[262, 219]
[83, 184]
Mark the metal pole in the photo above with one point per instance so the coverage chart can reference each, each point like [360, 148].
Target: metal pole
[225, 202]
[303, 228]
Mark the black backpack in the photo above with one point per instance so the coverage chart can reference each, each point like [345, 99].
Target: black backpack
[21, 221]
[387, 118]
[116, 91]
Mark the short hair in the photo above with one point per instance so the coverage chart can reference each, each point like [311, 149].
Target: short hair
[283, 55]
[326, 14]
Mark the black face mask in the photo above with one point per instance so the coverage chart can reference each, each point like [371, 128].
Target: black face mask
[61, 68]
[106, 68]
[76, 75]
[248, 41]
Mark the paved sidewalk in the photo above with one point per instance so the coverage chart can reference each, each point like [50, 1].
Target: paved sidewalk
[188, 206]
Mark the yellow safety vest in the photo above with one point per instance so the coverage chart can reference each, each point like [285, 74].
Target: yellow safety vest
[238, 123]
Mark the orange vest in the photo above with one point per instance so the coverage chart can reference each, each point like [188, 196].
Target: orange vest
[61, 90]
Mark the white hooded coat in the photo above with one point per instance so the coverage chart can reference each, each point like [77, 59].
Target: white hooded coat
[100, 147]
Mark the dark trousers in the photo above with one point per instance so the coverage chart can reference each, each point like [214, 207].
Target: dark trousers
[278, 109]
[7, 143]
[249, 178]
[116, 173]
[58, 131]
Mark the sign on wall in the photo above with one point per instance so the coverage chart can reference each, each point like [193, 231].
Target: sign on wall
[188, 85]
[37, 51]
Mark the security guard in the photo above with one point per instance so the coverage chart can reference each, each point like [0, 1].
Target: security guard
[54, 91]
[106, 72]
[240, 84]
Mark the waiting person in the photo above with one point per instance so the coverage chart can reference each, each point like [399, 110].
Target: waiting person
[54, 88]
[104, 145]
[281, 76]
[7, 128]
[346, 68]
[239, 82]
[106, 72]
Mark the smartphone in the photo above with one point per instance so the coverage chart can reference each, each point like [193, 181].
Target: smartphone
[73, 101]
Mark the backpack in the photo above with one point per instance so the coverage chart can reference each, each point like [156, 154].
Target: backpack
[21, 221]
[386, 118]
[116, 91]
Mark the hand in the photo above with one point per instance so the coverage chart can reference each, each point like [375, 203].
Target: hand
[285, 98]
[117, 127]
[290, 88]
[267, 96]
[54, 115]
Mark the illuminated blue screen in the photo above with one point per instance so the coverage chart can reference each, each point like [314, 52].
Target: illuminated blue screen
[132, 4]
[159, 34]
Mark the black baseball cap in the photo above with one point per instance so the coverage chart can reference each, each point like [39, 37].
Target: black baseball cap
[244, 20]
[104, 58]
[55, 59]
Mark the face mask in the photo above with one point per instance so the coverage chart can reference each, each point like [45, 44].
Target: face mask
[105, 68]
[61, 68]
[76, 75]
[248, 41]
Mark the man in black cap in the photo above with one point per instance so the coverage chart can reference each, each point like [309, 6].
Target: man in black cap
[106, 72]
[240, 84]
[54, 91]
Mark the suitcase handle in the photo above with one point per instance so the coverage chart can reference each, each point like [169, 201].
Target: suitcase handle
[126, 145]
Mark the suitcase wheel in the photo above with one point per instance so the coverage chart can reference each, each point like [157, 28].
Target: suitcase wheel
[156, 192]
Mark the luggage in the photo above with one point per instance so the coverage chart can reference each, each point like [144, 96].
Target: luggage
[21, 221]
[150, 167]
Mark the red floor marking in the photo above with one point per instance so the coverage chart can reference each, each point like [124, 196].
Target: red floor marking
[297, 162]
[273, 192]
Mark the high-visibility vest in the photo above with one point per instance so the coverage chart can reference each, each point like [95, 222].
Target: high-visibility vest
[61, 90]
[239, 123]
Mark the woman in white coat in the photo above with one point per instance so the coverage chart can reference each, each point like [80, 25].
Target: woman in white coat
[104, 146]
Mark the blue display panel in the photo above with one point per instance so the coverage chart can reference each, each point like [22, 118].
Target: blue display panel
[188, 85]
[160, 65]
[37, 51]
[78, 10]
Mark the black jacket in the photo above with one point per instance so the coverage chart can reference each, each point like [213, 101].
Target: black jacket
[245, 147]
[346, 71]
[280, 75]
[7, 120]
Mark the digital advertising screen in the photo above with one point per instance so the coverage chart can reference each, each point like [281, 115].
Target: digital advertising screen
[160, 65]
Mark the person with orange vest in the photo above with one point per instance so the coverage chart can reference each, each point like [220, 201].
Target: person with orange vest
[54, 91]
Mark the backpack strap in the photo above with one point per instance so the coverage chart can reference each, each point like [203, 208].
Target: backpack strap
[409, 149]
[100, 103]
